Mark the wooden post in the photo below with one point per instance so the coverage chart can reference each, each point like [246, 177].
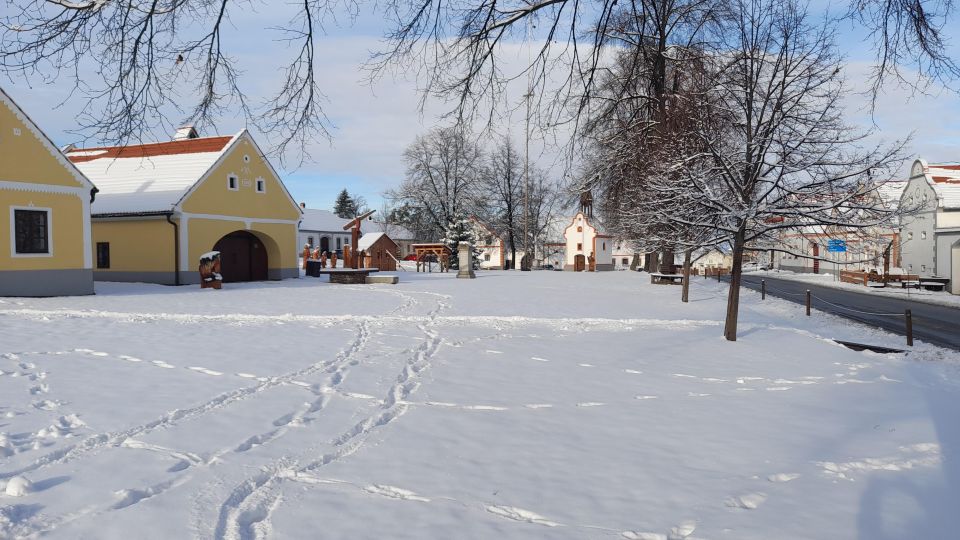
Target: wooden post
[763, 289]
[685, 296]
[808, 302]
[909, 316]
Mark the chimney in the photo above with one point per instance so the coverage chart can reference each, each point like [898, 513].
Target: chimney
[68, 148]
[185, 132]
[303, 205]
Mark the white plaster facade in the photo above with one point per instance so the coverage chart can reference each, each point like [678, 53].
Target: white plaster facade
[931, 237]
[582, 239]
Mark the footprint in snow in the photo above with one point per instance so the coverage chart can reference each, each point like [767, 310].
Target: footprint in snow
[538, 406]
[634, 535]
[590, 404]
[538, 359]
[393, 492]
[645, 397]
[130, 358]
[162, 364]
[633, 372]
[494, 352]
[519, 514]
[750, 501]
[205, 371]
[585, 365]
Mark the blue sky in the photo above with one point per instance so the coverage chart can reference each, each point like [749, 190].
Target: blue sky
[373, 124]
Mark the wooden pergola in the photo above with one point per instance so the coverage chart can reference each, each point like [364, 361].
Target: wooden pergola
[441, 251]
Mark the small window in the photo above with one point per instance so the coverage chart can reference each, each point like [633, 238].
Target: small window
[923, 235]
[232, 182]
[310, 240]
[604, 246]
[103, 254]
[923, 268]
[579, 247]
[246, 158]
[261, 185]
[31, 232]
[339, 242]
[486, 257]
[910, 235]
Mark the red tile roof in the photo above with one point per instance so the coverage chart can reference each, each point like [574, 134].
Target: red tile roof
[188, 146]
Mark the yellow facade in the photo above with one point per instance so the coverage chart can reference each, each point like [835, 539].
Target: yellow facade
[136, 245]
[245, 162]
[25, 157]
[34, 175]
[144, 248]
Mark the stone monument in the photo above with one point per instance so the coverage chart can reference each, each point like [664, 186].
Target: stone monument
[465, 260]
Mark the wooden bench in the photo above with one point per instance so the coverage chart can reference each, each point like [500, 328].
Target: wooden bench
[853, 276]
[669, 279]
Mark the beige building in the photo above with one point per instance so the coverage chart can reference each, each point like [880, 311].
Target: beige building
[45, 232]
[162, 205]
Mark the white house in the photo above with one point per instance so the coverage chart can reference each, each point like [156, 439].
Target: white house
[322, 229]
[582, 241]
[713, 258]
[931, 238]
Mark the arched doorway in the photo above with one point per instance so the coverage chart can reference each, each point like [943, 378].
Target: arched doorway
[325, 243]
[243, 257]
[579, 263]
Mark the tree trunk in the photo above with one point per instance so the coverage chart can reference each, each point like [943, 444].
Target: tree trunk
[652, 261]
[666, 261]
[733, 296]
[513, 253]
[686, 275]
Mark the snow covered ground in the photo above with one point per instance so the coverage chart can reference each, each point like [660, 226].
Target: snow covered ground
[516, 405]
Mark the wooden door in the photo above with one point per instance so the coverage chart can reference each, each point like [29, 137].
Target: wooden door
[579, 263]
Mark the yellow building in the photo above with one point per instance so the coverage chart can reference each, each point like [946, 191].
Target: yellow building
[45, 247]
[161, 206]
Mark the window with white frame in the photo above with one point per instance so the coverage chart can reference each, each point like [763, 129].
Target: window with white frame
[261, 185]
[31, 231]
[232, 182]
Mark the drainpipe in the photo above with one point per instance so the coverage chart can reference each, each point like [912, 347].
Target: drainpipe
[176, 248]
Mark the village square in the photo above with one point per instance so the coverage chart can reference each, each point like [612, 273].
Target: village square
[657, 271]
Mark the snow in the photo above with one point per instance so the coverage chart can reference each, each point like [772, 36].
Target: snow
[516, 405]
[893, 290]
[368, 240]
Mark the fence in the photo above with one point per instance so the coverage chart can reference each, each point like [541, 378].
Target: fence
[810, 297]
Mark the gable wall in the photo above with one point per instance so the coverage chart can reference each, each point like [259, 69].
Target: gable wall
[213, 197]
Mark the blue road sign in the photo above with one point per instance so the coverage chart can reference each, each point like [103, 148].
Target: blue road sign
[837, 246]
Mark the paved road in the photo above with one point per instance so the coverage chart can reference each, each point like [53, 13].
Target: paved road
[931, 323]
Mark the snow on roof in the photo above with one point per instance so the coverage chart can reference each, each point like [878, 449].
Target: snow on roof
[147, 177]
[321, 221]
[369, 240]
[396, 231]
[317, 220]
[944, 178]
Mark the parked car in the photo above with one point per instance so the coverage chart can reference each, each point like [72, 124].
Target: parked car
[410, 257]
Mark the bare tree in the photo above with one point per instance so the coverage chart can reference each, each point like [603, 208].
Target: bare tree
[776, 153]
[132, 62]
[500, 192]
[442, 171]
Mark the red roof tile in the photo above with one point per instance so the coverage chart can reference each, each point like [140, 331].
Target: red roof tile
[188, 146]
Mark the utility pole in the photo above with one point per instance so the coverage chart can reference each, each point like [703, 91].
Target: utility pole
[526, 166]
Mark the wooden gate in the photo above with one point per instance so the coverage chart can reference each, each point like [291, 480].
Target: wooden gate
[243, 257]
